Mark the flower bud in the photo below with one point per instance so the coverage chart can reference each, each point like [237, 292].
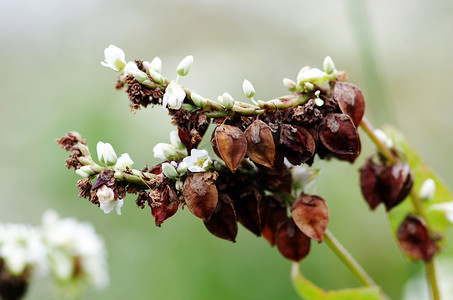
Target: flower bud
[198, 100]
[179, 185]
[139, 75]
[383, 138]
[329, 66]
[106, 153]
[155, 75]
[156, 64]
[248, 88]
[184, 66]
[427, 189]
[226, 100]
[289, 84]
[175, 140]
[169, 171]
[309, 86]
[182, 168]
[164, 151]
[313, 75]
[124, 161]
[319, 102]
[82, 173]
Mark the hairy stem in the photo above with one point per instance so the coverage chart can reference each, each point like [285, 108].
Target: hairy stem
[416, 202]
[347, 259]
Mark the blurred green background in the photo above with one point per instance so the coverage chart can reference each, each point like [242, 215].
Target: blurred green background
[398, 52]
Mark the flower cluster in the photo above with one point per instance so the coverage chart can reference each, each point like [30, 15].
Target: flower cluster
[70, 251]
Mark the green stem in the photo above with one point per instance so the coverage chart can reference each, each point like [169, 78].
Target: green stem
[416, 202]
[347, 259]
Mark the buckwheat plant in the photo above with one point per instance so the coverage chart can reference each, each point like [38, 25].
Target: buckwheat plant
[260, 175]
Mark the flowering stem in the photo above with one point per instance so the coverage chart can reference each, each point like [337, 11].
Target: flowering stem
[416, 202]
[347, 259]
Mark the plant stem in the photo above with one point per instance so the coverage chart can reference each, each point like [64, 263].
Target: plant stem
[416, 201]
[347, 259]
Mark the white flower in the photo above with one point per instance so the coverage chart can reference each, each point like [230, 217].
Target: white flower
[175, 140]
[114, 58]
[313, 75]
[21, 247]
[185, 65]
[248, 88]
[169, 171]
[198, 161]
[124, 161]
[174, 96]
[164, 151]
[427, 189]
[155, 64]
[130, 68]
[74, 244]
[446, 208]
[303, 177]
[106, 153]
[107, 200]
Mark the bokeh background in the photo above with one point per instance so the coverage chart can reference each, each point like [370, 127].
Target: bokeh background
[398, 52]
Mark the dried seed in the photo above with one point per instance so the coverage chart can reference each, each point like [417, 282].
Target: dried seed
[230, 144]
[223, 222]
[166, 208]
[369, 183]
[298, 144]
[291, 242]
[272, 213]
[311, 215]
[247, 209]
[395, 183]
[260, 143]
[414, 238]
[350, 100]
[200, 194]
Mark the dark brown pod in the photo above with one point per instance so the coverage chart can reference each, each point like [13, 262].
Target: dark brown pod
[338, 134]
[414, 238]
[311, 215]
[260, 143]
[395, 183]
[223, 222]
[247, 209]
[350, 100]
[369, 183]
[230, 144]
[291, 242]
[298, 144]
[279, 165]
[12, 287]
[272, 213]
[165, 209]
[200, 194]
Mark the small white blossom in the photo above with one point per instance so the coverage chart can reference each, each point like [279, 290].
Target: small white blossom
[169, 171]
[248, 88]
[175, 140]
[130, 68]
[303, 177]
[124, 161]
[114, 58]
[427, 189]
[329, 66]
[446, 208]
[198, 100]
[164, 151]
[155, 64]
[21, 247]
[74, 244]
[185, 65]
[383, 138]
[106, 153]
[182, 168]
[174, 96]
[226, 100]
[107, 200]
[289, 84]
[198, 161]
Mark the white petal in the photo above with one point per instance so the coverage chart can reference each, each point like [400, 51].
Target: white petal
[119, 204]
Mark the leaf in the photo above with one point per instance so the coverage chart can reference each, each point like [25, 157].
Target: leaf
[311, 215]
[309, 291]
[436, 220]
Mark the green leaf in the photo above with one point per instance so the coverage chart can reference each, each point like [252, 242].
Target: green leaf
[437, 220]
[309, 291]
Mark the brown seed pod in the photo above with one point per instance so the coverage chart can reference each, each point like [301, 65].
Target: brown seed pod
[200, 194]
[395, 183]
[260, 143]
[12, 287]
[230, 144]
[311, 215]
[272, 213]
[223, 222]
[338, 134]
[369, 183]
[350, 100]
[298, 144]
[165, 209]
[291, 242]
[247, 209]
[414, 238]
